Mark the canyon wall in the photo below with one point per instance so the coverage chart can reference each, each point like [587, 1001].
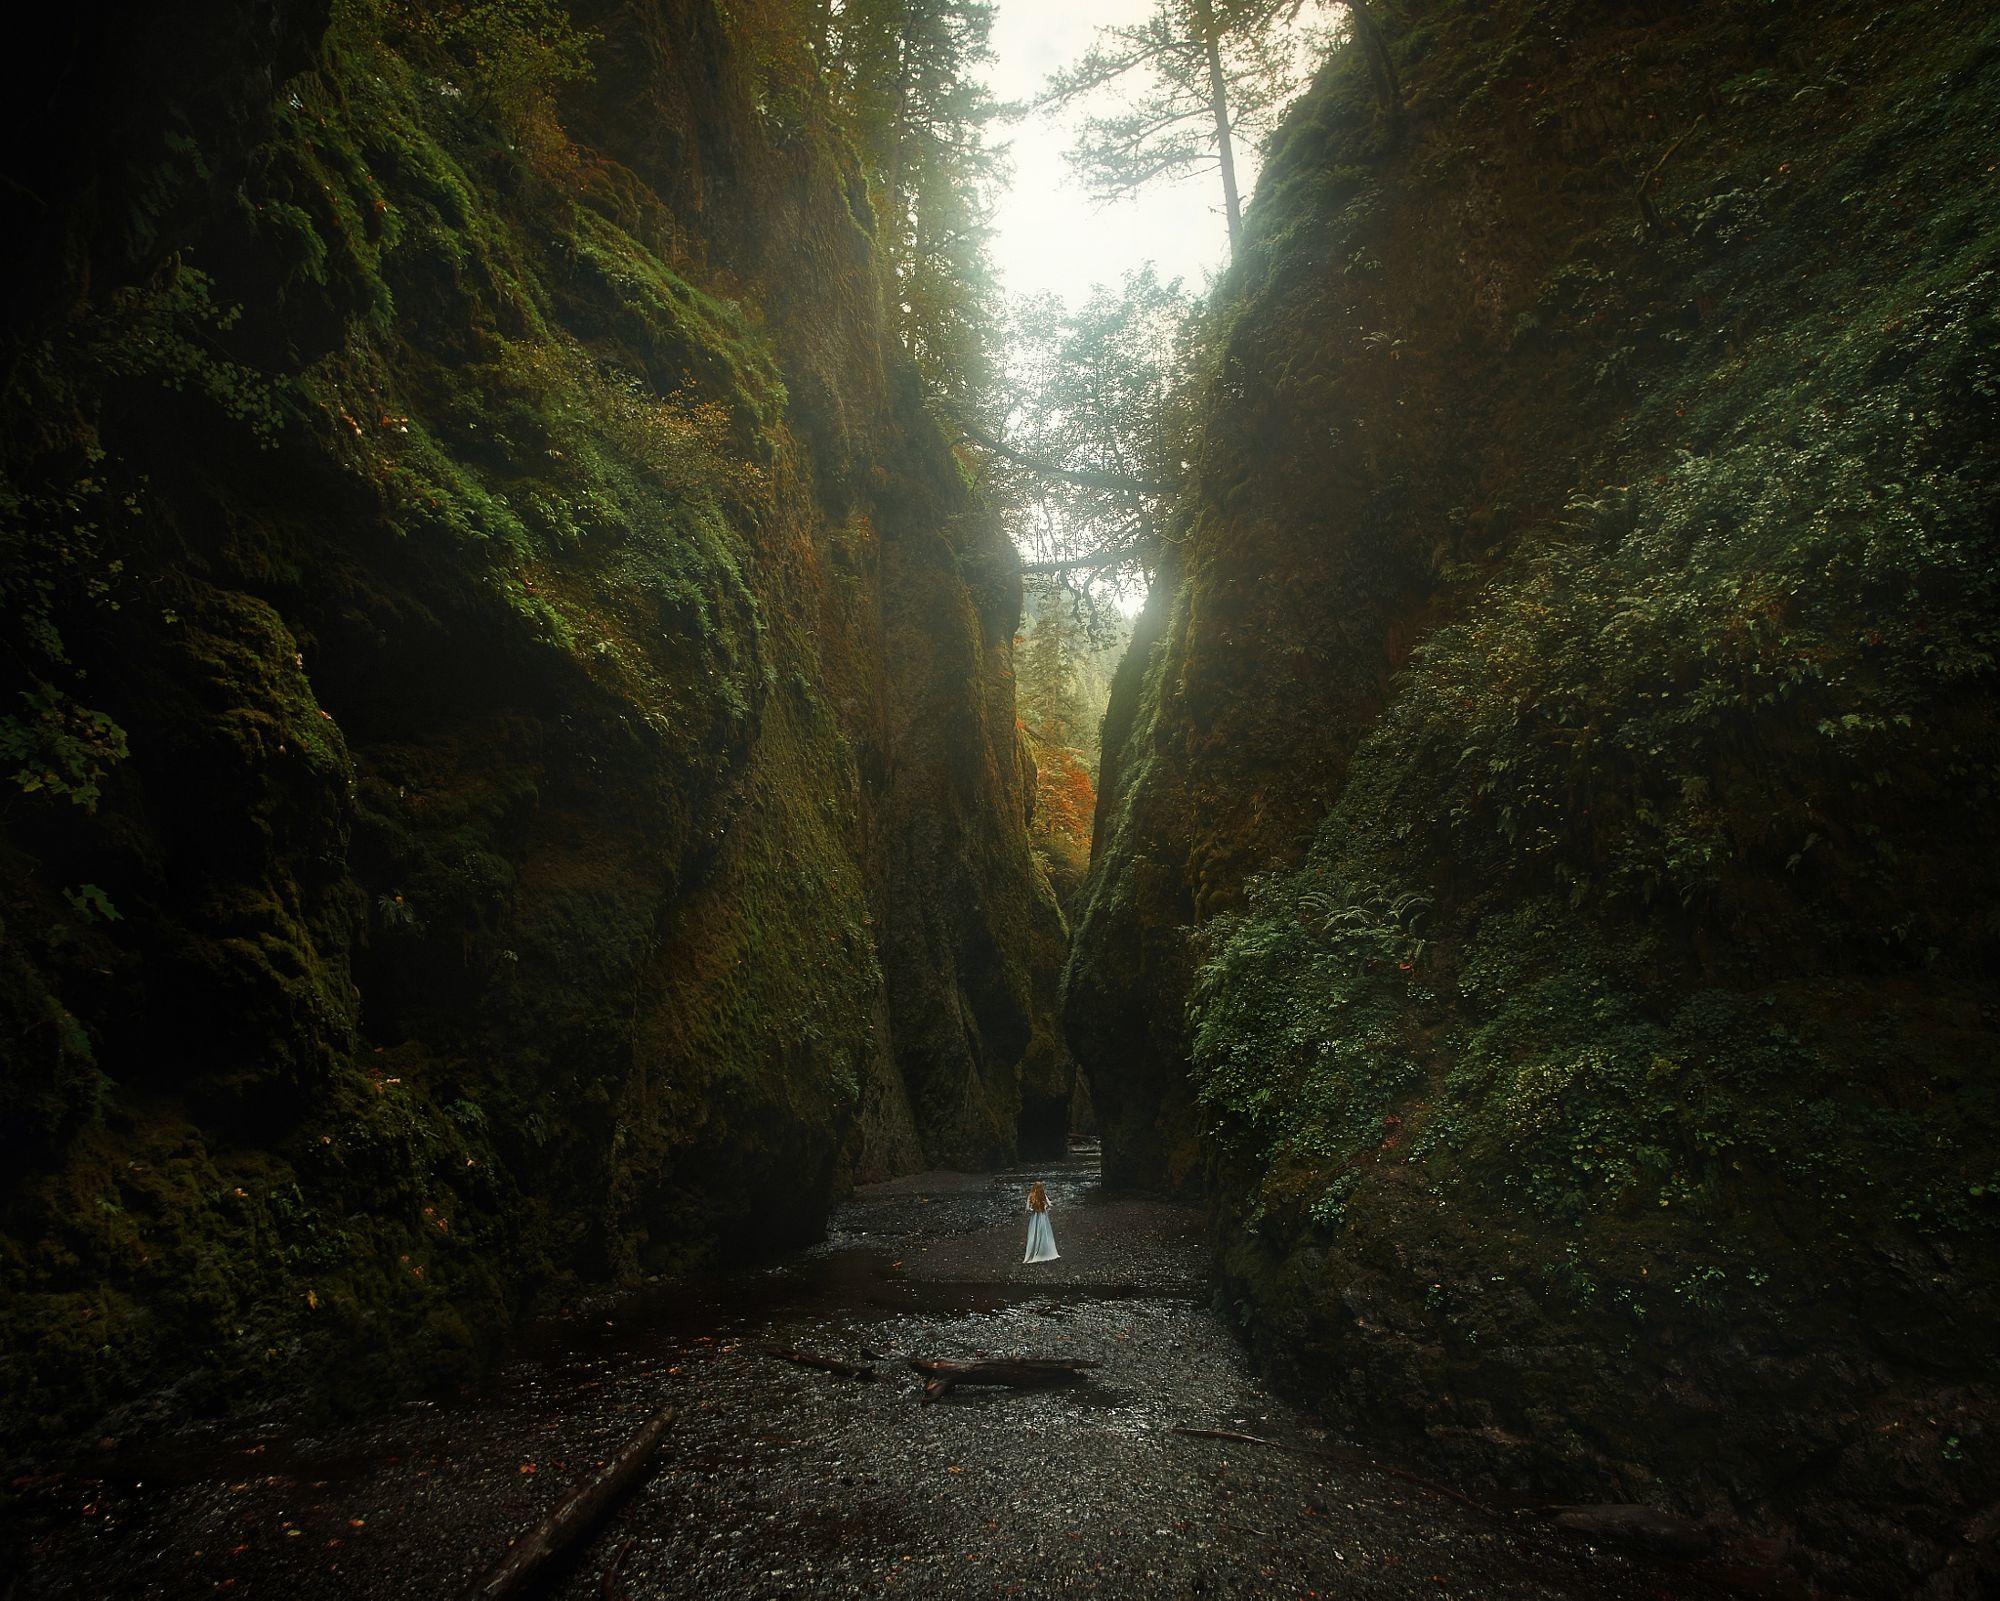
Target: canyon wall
[1544, 893]
[512, 775]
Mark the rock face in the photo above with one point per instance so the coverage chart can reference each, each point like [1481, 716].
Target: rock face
[1542, 893]
[512, 699]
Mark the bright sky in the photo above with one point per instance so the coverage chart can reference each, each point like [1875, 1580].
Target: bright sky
[1050, 236]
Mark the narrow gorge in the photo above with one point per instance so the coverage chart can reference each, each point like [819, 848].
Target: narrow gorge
[522, 797]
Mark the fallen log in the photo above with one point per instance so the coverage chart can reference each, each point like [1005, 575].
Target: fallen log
[1019, 1373]
[829, 1364]
[574, 1515]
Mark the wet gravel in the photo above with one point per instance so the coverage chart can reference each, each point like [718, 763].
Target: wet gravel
[779, 1480]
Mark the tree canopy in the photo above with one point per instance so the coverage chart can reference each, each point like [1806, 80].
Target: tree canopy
[1096, 430]
[1079, 415]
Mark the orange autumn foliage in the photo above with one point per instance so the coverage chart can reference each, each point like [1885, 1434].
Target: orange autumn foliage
[1065, 797]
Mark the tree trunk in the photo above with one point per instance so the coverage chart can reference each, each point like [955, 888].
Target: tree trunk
[1084, 477]
[1218, 101]
[1381, 65]
[892, 183]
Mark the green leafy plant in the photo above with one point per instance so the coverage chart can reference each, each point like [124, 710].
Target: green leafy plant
[1377, 924]
[171, 330]
[59, 746]
[92, 904]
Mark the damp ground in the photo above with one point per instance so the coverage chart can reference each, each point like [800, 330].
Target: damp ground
[780, 1480]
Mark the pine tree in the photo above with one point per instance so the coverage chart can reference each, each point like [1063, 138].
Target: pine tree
[905, 73]
[1049, 690]
[1203, 76]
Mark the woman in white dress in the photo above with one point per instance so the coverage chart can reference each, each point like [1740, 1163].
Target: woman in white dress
[1041, 1235]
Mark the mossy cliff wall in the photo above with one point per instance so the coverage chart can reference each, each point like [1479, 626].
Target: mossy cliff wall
[511, 698]
[1544, 889]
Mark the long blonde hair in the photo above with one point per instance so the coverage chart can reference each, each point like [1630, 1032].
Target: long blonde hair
[1038, 1198]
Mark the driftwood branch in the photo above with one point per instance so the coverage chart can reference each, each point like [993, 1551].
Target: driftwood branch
[574, 1515]
[827, 1364]
[1091, 561]
[1241, 1439]
[1018, 1373]
[608, 1586]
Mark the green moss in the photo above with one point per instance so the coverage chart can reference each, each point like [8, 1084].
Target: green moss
[1727, 686]
[365, 1246]
[761, 1016]
[496, 880]
[1589, 926]
[684, 335]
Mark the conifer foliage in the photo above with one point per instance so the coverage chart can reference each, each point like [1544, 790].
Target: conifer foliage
[1099, 420]
[1060, 692]
[1200, 80]
[905, 74]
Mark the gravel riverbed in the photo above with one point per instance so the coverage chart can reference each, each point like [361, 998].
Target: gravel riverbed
[778, 1480]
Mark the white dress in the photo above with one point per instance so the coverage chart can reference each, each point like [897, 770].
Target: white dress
[1041, 1238]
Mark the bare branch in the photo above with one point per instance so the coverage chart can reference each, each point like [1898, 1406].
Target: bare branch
[1084, 478]
[1099, 561]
